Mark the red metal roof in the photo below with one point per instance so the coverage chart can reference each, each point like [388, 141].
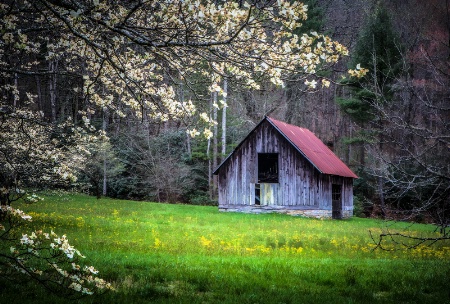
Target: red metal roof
[313, 149]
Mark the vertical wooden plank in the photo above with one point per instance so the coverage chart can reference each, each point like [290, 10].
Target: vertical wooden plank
[298, 183]
[288, 198]
[235, 196]
[262, 196]
[276, 194]
[252, 194]
[242, 189]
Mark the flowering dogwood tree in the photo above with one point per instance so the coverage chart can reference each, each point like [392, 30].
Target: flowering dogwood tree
[34, 153]
[129, 56]
[130, 53]
[45, 257]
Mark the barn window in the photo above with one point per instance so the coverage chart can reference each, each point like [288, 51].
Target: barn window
[267, 167]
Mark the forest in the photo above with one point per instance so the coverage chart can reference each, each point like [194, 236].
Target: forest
[142, 100]
[152, 119]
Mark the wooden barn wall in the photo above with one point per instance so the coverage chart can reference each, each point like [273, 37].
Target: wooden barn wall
[300, 185]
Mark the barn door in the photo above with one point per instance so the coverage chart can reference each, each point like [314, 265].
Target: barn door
[336, 201]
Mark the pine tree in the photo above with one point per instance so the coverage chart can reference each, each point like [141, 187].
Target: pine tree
[379, 50]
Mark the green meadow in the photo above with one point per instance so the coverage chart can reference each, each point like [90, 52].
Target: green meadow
[163, 253]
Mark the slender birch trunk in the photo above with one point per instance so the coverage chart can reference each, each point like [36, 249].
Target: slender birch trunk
[104, 155]
[188, 137]
[224, 118]
[215, 145]
[208, 154]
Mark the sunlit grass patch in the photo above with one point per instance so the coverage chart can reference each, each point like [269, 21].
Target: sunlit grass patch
[163, 253]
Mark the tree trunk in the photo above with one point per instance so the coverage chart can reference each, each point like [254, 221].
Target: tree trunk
[188, 145]
[188, 137]
[17, 88]
[380, 190]
[224, 119]
[39, 93]
[208, 156]
[52, 66]
[4, 198]
[104, 116]
[215, 146]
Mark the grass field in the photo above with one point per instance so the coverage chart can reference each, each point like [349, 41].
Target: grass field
[161, 253]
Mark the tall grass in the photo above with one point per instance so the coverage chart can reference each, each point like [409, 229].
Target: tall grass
[163, 253]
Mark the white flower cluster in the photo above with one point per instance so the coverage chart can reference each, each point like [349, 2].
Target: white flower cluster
[30, 149]
[8, 211]
[358, 72]
[62, 243]
[175, 40]
[58, 255]
[34, 198]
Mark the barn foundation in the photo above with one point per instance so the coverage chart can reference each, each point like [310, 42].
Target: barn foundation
[311, 213]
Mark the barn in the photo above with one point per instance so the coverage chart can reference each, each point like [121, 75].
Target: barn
[283, 168]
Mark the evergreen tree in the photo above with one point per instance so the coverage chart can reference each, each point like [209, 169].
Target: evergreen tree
[379, 50]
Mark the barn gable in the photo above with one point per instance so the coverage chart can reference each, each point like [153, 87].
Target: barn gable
[283, 168]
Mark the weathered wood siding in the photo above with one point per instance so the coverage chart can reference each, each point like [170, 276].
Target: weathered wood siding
[301, 185]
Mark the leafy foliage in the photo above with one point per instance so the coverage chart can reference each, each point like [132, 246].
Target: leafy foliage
[157, 168]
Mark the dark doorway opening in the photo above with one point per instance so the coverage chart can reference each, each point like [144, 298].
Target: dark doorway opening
[336, 201]
[267, 167]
